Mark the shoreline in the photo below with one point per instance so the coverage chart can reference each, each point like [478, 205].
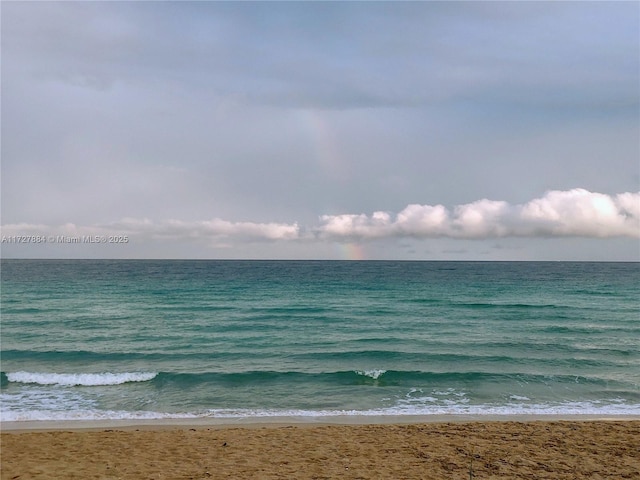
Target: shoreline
[286, 421]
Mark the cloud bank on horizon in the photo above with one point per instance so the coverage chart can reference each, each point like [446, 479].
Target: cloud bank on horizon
[412, 130]
[576, 212]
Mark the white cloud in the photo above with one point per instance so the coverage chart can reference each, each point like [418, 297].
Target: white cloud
[376, 226]
[420, 220]
[629, 204]
[215, 229]
[481, 219]
[211, 229]
[579, 212]
[570, 213]
[576, 212]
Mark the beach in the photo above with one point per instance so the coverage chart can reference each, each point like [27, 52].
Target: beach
[567, 449]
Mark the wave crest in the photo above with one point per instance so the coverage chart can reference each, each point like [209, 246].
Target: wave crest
[375, 374]
[80, 379]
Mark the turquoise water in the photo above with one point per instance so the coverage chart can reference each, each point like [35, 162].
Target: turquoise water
[97, 339]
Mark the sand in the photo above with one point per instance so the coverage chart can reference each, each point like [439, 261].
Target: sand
[453, 450]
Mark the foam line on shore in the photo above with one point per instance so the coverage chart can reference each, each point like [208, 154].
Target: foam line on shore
[252, 422]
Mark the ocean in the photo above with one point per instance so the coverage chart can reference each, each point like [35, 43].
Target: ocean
[158, 339]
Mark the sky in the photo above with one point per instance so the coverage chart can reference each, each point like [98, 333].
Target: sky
[321, 130]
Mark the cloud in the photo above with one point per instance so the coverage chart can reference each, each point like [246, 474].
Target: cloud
[571, 213]
[336, 55]
[576, 212]
[579, 212]
[176, 230]
[481, 219]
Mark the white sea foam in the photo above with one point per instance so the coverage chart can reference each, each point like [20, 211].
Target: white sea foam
[79, 379]
[567, 408]
[42, 403]
[375, 374]
[48, 415]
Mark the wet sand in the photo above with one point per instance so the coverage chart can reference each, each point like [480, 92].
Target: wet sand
[568, 449]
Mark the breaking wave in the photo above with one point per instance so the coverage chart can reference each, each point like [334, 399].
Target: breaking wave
[79, 379]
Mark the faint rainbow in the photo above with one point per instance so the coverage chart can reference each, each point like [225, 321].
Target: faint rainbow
[352, 251]
[317, 128]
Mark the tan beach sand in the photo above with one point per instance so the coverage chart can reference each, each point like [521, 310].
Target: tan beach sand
[479, 450]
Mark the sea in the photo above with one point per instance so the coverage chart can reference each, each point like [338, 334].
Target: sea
[189, 339]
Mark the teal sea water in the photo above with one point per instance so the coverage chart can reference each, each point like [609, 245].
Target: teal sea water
[125, 339]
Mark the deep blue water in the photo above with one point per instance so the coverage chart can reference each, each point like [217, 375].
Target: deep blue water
[152, 339]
